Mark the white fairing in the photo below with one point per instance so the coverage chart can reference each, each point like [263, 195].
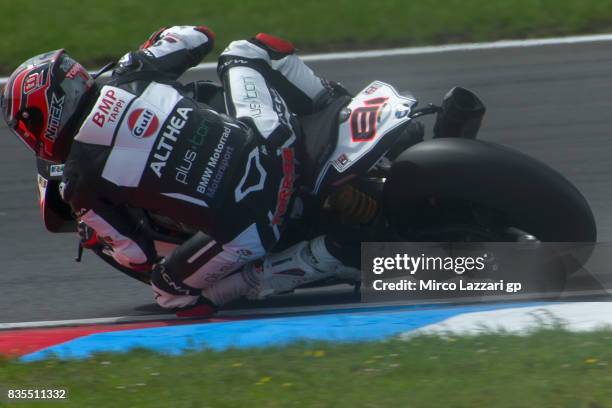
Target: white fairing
[374, 112]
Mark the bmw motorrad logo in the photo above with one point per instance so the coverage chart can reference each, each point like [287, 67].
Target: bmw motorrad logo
[143, 123]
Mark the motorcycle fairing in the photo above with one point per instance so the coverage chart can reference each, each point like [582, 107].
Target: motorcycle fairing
[365, 132]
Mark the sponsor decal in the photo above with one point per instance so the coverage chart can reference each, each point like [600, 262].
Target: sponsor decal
[108, 108]
[231, 62]
[56, 170]
[253, 169]
[279, 107]
[342, 160]
[216, 167]
[77, 70]
[172, 284]
[182, 171]
[402, 111]
[168, 137]
[251, 96]
[363, 120]
[371, 89]
[286, 188]
[55, 116]
[35, 80]
[196, 140]
[143, 123]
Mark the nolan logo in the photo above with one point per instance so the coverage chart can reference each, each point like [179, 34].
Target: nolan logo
[143, 123]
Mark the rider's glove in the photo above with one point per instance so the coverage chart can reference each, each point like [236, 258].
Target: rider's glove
[91, 240]
[156, 36]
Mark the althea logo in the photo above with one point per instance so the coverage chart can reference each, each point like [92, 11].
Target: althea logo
[143, 123]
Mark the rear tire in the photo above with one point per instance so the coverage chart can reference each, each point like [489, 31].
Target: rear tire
[527, 193]
[450, 190]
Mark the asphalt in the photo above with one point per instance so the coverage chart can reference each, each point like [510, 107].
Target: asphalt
[552, 102]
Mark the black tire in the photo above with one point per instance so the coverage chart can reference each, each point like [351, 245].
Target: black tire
[529, 194]
[440, 185]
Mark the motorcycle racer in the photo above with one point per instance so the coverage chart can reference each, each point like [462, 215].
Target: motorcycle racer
[143, 140]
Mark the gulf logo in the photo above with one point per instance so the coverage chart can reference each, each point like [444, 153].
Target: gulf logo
[143, 123]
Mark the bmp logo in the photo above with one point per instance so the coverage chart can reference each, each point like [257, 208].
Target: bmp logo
[143, 123]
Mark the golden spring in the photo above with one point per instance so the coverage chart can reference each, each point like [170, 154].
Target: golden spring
[353, 204]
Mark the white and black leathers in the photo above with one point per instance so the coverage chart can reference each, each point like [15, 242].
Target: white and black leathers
[146, 144]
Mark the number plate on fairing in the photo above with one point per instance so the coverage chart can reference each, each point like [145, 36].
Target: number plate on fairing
[372, 114]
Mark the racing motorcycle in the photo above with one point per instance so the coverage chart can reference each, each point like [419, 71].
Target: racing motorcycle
[365, 165]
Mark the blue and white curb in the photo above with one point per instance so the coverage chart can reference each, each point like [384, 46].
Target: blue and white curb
[351, 325]
[571, 316]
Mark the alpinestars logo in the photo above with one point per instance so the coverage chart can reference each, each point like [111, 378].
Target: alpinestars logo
[143, 123]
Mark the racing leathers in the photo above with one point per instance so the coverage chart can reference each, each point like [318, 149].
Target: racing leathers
[145, 143]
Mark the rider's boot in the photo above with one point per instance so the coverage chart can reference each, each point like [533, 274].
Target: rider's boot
[303, 263]
[298, 265]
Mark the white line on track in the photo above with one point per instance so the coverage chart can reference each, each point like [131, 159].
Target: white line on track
[262, 312]
[435, 49]
[172, 317]
[294, 310]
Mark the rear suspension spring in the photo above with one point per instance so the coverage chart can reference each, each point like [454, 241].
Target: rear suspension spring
[353, 204]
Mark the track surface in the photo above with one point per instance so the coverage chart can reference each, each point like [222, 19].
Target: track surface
[553, 102]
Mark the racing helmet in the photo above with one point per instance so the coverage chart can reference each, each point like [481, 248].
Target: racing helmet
[42, 101]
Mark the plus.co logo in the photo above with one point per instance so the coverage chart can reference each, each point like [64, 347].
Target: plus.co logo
[143, 123]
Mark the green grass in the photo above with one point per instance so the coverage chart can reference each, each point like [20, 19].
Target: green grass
[549, 368]
[96, 31]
